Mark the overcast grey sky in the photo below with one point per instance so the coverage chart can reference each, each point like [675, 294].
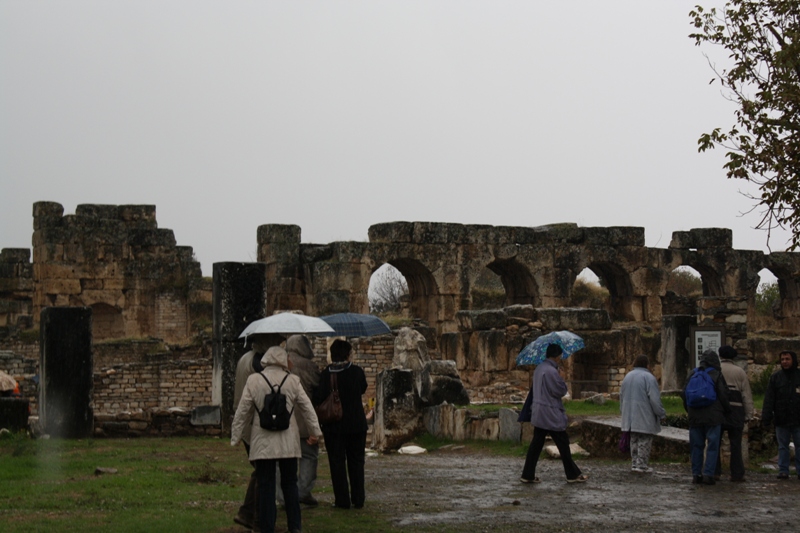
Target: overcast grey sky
[343, 114]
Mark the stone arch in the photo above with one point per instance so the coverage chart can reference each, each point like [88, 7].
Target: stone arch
[423, 293]
[518, 282]
[713, 284]
[788, 312]
[620, 288]
[107, 322]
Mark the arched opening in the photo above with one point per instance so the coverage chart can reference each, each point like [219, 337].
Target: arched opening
[421, 299]
[388, 291]
[107, 322]
[517, 282]
[487, 290]
[765, 309]
[711, 281]
[620, 291]
[589, 291]
[684, 287]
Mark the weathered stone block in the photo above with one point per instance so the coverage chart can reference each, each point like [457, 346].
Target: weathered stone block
[510, 428]
[481, 320]
[97, 211]
[614, 236]
[391, 232]
[206, 415]
[278, 233]
[573, 319]
[15, 255]
[527, 312]
[311, 253]
[700, 238]
[138, 215]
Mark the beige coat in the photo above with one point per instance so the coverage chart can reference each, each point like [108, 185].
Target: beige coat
[273, 444]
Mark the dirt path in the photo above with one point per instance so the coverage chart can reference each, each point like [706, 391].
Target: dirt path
[456, 487]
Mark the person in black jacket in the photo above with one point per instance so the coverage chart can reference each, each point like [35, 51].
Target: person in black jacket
[705, 423]
[782, 406]
[345, 440]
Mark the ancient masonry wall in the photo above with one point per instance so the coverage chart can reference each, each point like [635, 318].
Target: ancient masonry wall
[114, 259]
[16, 288]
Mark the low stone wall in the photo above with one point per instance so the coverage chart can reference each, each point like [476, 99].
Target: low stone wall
[149, 385]
[159, 422]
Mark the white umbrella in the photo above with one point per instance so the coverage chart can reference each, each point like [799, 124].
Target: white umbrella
[287, 324]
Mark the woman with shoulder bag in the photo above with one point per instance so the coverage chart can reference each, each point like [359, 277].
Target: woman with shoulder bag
[346, 439]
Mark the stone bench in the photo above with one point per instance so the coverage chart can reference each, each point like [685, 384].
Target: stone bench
[600, 437]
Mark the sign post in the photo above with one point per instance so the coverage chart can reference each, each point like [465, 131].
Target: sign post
[706, 338]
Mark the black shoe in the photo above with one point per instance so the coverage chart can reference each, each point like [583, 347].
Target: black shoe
[309, 501]
[709, 480]
[697, 480]
[243, 521]
[783, 475]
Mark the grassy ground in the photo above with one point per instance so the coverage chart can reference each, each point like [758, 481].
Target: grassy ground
[170, 485]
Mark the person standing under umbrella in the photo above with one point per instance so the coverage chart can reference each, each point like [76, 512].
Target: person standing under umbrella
[549, 417]
[269, 449]
[346, 439]
[301, 360]
[640, 404]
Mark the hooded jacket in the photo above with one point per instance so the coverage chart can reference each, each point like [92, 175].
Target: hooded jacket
[714, 414]
[782, 398]
[273, 444]
[303, 366]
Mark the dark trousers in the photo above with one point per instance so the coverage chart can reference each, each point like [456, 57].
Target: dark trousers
[561, 440]
[248, 509]
[737, 463]
[265, 471]
[346, 459]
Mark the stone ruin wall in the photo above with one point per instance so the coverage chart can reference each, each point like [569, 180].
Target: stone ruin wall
[442, 264]
[114, 259]
[139, 283]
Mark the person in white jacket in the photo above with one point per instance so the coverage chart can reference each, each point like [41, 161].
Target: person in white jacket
[271, 448]
[642, 411]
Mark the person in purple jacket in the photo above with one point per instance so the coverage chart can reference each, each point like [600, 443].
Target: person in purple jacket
[549, 417]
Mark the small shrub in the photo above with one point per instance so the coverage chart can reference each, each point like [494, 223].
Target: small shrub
[760, 382]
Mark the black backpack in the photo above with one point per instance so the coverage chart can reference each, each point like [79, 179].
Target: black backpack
[274, 416]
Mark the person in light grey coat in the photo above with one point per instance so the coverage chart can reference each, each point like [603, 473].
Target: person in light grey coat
[642, 411]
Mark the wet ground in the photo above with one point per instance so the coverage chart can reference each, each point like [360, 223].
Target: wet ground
[477, 492]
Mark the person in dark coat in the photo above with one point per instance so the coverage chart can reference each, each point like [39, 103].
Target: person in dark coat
[705, 423]
[782, 406]
[346, 439]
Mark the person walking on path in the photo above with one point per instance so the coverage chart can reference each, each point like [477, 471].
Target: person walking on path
[642, 411]
[741, 399]
[782, 406]
[548, 417]
[705, 423]
[269, 449]
[346, 439]
[249, 364]
[301, 358]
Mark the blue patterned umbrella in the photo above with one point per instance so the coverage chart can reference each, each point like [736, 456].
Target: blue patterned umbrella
[355, 325]
[534, 353]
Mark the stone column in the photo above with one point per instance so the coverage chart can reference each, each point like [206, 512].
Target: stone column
[66, 367]
[239, 298]
[676, 359]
